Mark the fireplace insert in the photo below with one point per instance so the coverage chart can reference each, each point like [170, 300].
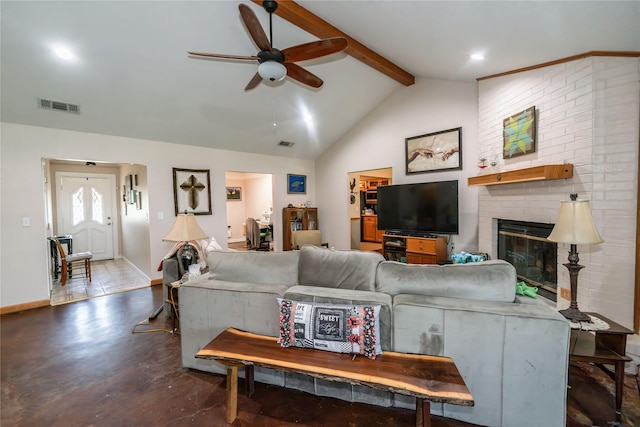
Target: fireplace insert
[525, 246]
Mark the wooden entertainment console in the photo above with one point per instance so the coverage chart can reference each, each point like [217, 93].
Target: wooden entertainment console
[415, 250]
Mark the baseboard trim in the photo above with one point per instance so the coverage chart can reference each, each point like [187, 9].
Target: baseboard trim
[135, 267]
[156, 282]
[22, 307]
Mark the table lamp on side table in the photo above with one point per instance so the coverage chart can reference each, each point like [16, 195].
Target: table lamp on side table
[185, 228]
[575, 226]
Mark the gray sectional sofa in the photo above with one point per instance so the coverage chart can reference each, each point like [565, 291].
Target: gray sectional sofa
[511, 351]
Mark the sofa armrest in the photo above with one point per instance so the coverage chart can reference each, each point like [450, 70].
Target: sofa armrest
[170, 270]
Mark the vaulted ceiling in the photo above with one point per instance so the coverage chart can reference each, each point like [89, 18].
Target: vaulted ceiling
[131, 76]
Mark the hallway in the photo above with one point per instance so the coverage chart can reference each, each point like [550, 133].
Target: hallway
[107, 277]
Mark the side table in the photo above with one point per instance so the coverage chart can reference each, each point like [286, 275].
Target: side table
[605, 347]
[172, 295]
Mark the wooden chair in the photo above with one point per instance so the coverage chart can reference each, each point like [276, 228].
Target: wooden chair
[300, 238]
[67, 261]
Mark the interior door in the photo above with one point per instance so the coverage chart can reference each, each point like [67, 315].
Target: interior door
[85, 211]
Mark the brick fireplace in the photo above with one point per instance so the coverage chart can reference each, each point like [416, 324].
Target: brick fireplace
[587, 114]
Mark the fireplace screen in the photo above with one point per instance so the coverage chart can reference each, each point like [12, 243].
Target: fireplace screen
[525, 246]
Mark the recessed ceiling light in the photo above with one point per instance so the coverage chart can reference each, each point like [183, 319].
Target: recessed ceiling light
[477, 56]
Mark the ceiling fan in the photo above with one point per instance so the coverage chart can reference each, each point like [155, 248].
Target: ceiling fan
[274, 64]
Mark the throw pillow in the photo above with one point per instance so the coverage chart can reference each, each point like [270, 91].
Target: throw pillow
[210, 244]
[340, 328]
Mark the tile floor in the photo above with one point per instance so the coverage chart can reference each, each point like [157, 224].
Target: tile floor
[107, 277]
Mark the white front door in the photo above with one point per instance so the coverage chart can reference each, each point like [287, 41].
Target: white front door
[85, 211]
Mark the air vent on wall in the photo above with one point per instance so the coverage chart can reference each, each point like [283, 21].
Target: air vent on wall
[57, 105]
[286, 144]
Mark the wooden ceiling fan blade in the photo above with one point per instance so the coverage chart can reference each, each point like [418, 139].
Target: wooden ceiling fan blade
[255, 29]
[316, 49]
[219, 55]
[255, 81]
[298, 73]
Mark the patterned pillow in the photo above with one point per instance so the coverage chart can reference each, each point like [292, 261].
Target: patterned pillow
[340, 328]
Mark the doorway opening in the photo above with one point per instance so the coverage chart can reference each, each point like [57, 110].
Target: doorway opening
[363, 207]
[249, 195]
[87, 202]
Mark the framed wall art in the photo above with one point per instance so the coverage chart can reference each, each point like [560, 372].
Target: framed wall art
[519, 134]
[296, 184]
[129, 192]
[434, 152]
[234, 193]
[192, 191]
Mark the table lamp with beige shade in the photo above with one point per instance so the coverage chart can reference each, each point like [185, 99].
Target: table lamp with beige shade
[575, 226]
[185, 229]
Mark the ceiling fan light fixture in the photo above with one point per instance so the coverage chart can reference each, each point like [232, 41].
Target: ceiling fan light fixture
[272, 70]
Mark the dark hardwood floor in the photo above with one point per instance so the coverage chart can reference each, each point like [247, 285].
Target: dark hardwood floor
[79, 364]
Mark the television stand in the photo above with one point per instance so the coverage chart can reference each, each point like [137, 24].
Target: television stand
[414, 250]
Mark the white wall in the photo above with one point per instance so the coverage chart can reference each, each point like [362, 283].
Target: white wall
[378, 142]
[24, 275]
[257, 197]
[588, 115]
[236, 212]
[135, 243]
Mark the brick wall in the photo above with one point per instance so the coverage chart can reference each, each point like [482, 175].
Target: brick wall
[588, 114]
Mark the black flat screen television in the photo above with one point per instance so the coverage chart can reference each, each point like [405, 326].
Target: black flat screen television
[419, 209]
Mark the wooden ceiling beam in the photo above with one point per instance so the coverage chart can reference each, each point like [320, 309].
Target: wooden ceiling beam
[304, 19]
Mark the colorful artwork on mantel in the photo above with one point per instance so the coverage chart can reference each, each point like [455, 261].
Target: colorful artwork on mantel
[520, 134]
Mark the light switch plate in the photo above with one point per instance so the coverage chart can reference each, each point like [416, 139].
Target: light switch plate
[26, 222]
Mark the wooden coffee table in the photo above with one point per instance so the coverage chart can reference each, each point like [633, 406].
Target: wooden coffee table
[427, 378]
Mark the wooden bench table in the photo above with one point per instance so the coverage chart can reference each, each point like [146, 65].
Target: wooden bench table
[427, 378]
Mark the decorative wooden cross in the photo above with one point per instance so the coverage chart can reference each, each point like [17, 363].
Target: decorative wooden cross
[192, 186]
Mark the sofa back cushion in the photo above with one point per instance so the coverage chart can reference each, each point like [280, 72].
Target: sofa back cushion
[267, 268]
[338, 269]
[485, 281]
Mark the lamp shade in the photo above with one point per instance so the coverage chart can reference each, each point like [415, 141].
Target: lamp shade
[575, 224]
[184, 229]
[272, 70]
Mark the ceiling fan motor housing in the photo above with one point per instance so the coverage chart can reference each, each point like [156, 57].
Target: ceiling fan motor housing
[270, 5]
[265, 55]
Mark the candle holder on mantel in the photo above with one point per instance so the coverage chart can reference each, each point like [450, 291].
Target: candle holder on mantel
[482, 163]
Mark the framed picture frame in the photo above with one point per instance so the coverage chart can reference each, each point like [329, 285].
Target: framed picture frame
[192, 191]
[296, 184]
[434, 152]
[234, 193]
[519, 134]
[129, 196]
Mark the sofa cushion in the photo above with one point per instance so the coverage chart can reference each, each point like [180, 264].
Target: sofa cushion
[338, 269]
[340, 328]
[269, 268]
[485, 281]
